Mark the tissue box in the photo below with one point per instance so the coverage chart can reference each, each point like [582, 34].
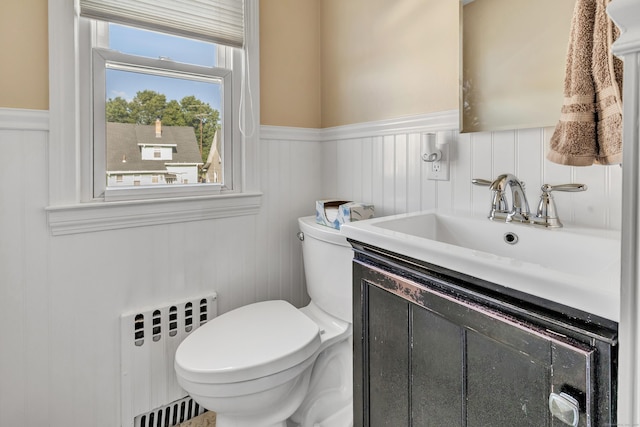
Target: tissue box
[334, 213]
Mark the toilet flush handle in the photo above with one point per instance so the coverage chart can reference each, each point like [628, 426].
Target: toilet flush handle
[300, 236]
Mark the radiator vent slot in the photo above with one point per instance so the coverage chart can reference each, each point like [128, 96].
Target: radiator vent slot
[149, 340]
[157, 329]
[138, 328]
[170, 415]
[203, 312]
[173, 321]
[188, 317]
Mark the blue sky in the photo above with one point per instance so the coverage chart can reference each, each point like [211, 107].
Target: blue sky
[154, 45]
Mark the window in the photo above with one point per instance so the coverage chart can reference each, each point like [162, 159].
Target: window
[160, 98]
[81, 185]
[161, 94]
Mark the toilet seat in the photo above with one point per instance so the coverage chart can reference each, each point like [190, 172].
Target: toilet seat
[247, 343]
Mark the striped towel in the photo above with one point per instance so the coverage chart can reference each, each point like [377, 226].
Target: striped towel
[590, 127]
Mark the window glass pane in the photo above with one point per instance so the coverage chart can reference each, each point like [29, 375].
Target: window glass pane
[162, 128]
[156, 45]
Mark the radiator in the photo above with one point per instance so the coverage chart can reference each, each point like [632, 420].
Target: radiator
[170, 415]
[149, 339]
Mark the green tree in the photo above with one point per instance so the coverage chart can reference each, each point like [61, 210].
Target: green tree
[173, 115]
[118, 111]
[147, 106]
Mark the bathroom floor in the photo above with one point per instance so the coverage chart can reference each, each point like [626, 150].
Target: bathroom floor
[208, 419]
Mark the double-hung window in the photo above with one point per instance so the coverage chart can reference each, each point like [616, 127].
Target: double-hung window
[163, 104]
[147, 102]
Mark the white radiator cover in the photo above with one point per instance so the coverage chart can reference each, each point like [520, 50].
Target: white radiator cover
[149, 339]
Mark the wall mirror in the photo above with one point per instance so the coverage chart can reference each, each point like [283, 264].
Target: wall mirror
[513, 62]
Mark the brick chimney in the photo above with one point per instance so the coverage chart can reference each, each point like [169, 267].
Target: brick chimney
[158, 128]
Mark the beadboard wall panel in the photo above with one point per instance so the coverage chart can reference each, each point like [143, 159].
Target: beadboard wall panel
[24, 304]
[387, 170]
[291, 181]
[61, 296]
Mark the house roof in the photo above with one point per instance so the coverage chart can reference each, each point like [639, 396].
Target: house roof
[124, 141]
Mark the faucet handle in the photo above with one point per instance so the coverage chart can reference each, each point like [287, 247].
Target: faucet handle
[547, 214]
[546, 188]
[482, 182]
[498, 200]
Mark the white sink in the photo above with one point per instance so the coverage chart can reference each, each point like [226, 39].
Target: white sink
[577, 267]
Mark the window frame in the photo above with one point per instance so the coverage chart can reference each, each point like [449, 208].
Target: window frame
[72, 207]
[100, 57]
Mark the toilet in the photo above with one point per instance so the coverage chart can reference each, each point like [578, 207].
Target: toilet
[270, 364]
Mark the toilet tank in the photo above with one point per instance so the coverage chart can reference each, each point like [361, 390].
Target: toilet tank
[327, 268]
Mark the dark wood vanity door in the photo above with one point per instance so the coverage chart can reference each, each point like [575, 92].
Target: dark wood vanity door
[424, 359]
[504, 386]
[436, 370]
[388, 360]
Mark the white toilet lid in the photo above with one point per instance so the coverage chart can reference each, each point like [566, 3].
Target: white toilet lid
[247, 343]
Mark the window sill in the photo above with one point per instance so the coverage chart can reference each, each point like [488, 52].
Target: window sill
[160, 192]
[102, 216]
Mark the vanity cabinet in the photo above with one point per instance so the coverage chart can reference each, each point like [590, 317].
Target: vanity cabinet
[433, 347]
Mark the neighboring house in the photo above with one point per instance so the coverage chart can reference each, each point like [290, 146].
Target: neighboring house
[212, 169]
[151, 155]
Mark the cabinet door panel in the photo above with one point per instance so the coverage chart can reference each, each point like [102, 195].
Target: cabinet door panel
[388, 359]
[436, 368]
[573, 374]
[505, 387]
[425, 357]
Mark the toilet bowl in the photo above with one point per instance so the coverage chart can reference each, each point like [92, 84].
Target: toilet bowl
[271, 364]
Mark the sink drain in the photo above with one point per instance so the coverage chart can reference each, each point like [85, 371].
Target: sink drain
[511, 238]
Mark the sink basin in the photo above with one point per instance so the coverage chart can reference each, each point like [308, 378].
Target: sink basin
[577, 267]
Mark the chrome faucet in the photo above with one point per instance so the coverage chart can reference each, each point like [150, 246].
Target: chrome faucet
[546, 214]
[519, 205]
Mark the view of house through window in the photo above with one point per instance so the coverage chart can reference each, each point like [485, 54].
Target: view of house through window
[162, 126]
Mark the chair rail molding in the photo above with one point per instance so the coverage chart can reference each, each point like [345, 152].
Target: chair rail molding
[24, 119]
[286, 133]
[626, 15]
[442, 120]
[438, 121]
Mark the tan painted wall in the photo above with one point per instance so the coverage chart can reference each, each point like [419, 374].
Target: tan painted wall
[323, 62]
[24, 69]
[290, 63]
[385, 59]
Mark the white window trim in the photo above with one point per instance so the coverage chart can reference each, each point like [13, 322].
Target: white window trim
[69, 210]
[101, 57]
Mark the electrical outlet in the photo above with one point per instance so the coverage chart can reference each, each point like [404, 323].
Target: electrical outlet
[439, 170]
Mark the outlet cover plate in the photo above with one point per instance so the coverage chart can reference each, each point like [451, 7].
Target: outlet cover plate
[439, 170]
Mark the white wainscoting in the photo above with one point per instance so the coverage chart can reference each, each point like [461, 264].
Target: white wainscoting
[25, 305]
[61, 296]
[385, 168]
